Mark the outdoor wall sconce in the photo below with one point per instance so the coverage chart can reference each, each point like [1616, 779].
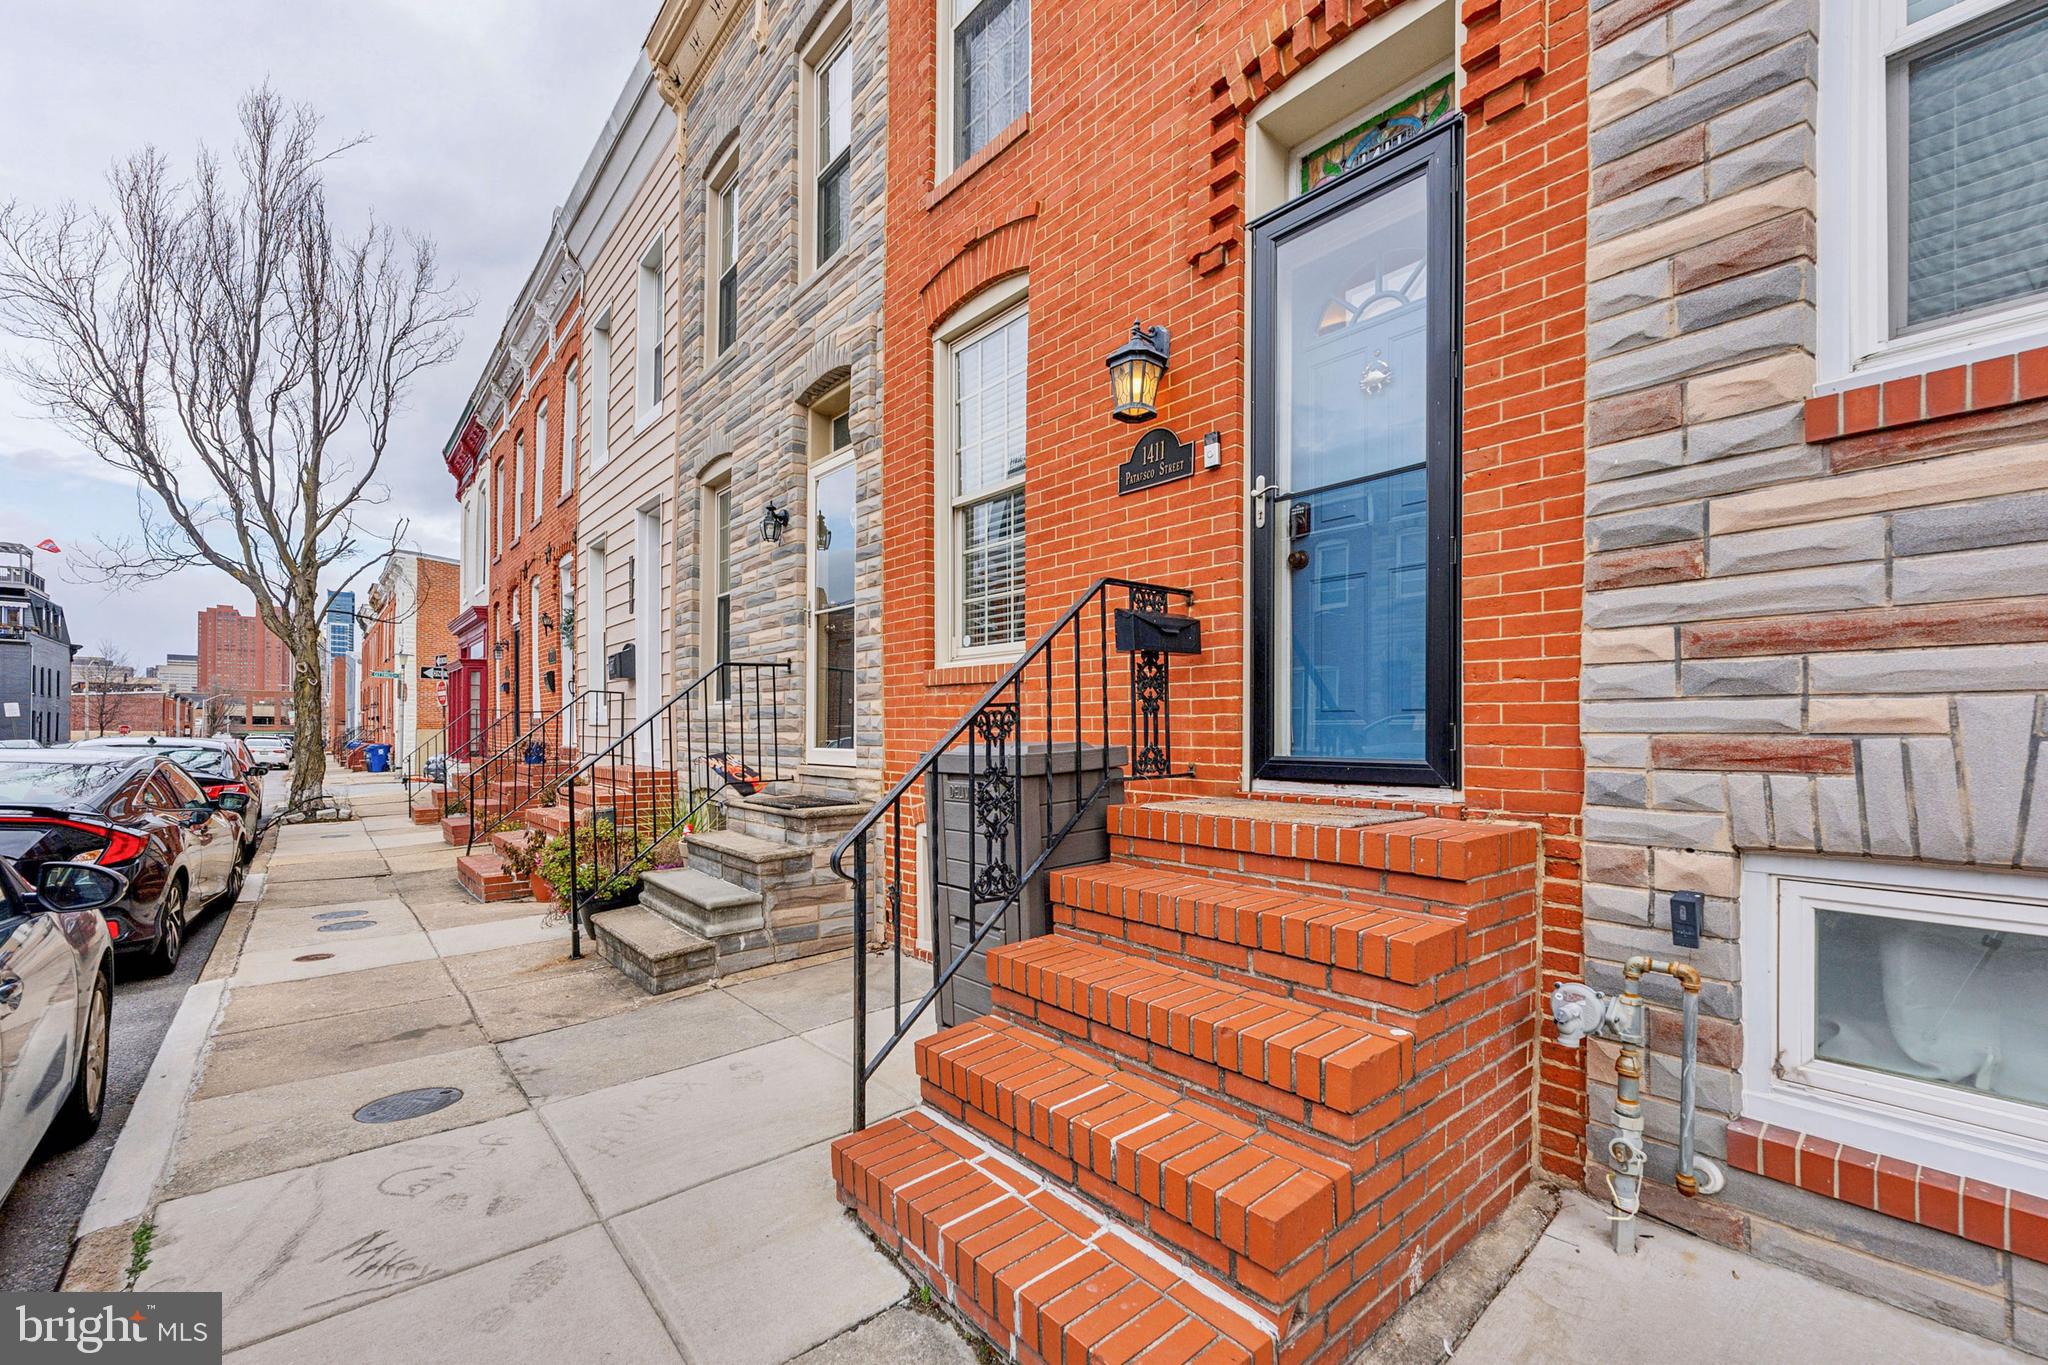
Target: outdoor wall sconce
[1134, 371]
[498, 650]
[774, 522]
[547, 622]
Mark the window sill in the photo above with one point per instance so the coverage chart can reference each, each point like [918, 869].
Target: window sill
[987, 152]
[1931, 395]
[971, 674]
[1975, 1210]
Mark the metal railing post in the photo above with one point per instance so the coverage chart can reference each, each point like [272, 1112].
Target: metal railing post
[860, 985]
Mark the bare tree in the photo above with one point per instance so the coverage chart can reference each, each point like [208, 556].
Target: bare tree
[223, 342]
[104, 676]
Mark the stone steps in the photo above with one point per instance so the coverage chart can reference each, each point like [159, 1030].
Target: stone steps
[1188, 1173]
[1233, 1038]
[656, 955]
[1046, 1278]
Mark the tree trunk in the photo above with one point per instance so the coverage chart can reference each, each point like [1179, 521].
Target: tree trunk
[309, 719]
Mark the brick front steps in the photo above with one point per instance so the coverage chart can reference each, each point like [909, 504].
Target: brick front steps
[1047, 1279]
[484, 876]
[1126, 1003]
[1290, 1047]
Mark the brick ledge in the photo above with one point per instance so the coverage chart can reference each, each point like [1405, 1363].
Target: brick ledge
[1975, 1210]
[1953, 391]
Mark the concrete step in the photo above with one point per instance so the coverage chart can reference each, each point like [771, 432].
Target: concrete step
[656, 955]
[1256, 1045]
[792, 818]
[1046, 1279]
[1187, 1172]
[485, 877]
[747, 861]
[701, 903]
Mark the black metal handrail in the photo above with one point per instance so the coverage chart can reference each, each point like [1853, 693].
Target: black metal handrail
[734, 734]
[996, 730]
[537, 758]
[414, 768]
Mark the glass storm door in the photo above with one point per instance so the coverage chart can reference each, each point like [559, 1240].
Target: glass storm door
[831, 625]
[1355, 401]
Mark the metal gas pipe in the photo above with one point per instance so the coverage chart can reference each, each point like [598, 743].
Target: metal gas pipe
[1580, 1012]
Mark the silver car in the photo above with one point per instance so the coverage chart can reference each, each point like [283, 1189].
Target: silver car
[56, 1000]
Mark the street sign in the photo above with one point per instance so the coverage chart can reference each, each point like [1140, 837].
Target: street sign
[382, 673]
[435, 672]
[121, 729]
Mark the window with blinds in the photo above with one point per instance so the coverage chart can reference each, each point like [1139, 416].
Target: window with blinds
[1969, 141]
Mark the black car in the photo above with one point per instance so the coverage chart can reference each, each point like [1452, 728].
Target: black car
[136, 814]
[216, 765]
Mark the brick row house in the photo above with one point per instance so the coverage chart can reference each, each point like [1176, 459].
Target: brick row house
[1325, 524]
[403, 622]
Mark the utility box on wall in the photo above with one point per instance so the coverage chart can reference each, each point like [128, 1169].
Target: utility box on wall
[960, 852]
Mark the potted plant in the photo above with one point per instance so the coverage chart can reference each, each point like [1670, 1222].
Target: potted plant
[522, 859]
[598, 851]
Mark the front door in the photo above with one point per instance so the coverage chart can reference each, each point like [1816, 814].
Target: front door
[1354, 511]
[831, 609]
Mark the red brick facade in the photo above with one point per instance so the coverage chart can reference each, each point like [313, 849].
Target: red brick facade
[546, 533]
[241, 664]
[1123, 195]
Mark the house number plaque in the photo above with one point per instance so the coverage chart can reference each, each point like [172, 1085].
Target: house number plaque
[1159, 457]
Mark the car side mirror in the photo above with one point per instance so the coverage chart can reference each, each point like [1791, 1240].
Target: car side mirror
[236, 802]
[78, 886]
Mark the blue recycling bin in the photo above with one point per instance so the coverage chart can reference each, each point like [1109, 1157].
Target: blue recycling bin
[378, 757]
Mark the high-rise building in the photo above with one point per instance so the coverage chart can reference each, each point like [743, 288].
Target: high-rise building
[178, 672]
[35, 653]
[341, 624]
[244, 668]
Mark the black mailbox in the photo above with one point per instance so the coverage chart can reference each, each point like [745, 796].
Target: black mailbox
[619, 664]
[1157, 630]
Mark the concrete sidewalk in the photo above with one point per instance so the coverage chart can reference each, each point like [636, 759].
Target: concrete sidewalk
[621, 1177]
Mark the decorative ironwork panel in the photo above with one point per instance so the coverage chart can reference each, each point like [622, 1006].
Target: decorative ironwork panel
[993, 802]
[1151, 682]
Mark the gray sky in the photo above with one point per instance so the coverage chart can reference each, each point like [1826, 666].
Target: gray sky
[480, 113]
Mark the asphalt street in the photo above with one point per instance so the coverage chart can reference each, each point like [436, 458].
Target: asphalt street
[43, 1209]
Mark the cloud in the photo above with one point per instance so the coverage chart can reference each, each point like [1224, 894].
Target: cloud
[478, 113]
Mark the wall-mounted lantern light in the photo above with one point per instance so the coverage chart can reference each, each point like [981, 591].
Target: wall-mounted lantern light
[547, 622]
[1134, 371]
[498, 650]
[774, 522]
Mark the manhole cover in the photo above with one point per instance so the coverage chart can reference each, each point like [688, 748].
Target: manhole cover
[342, 926]
[408, 1104]
[312, 957]
[341, 914]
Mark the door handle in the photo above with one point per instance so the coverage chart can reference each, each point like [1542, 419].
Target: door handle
[1263, 493]
[10, 992]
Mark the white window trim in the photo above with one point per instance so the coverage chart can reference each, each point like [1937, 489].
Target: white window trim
[716, 482]
[1858, 37]
[831, 35]
[540, 460]
[824, 461]
[518, 482]
[1889, 1116]
[572, 414]
[953, 14]
[649, 394]
[985, 311]
[601, 392]
[720, 222]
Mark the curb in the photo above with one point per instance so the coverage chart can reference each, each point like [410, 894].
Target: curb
[128, 1184]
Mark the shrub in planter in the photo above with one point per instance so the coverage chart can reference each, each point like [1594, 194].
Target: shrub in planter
[598, 850]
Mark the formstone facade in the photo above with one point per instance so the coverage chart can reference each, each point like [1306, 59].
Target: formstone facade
[792, 380]
[1811, 627]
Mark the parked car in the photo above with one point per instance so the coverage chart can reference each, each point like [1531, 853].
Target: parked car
[56, 999]
[230, 781]
[136, 813]
[271, 751]
[20, 744]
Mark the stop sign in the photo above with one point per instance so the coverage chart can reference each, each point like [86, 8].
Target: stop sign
[122, 729]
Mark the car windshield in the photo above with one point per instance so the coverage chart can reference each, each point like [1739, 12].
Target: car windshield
[191, 757]
[55, 784]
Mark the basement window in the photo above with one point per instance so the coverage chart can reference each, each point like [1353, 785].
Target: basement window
[1895, 1008]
